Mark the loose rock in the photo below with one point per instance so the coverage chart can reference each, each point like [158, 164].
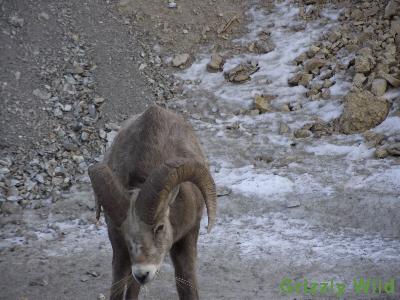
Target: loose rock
[379, 87]
[216, 64]
[362, 111]
[263, 103]
[390, 79]
[242, 72]
[180, 60]
[302, 133]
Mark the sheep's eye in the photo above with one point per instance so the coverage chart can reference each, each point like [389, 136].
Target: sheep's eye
[158, 229]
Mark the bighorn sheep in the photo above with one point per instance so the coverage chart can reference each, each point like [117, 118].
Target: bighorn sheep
[152, 186]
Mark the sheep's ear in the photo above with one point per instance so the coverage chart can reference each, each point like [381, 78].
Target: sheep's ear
[173, 194]
[171, 199]
[109, 193]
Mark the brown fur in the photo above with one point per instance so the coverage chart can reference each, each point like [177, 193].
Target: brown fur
[141, 146]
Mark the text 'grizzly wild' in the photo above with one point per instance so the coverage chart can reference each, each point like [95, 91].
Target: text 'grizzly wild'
[152, 185]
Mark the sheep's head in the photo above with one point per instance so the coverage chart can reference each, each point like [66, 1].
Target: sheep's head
[143, 215]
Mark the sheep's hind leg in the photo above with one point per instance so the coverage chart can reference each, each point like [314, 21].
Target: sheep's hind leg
[184, 255]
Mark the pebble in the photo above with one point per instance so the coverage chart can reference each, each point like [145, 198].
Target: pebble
[4, 171]
[180, 60]
[43, 95]
[38, 282]
[14, 198]
[302, 133]
[98, 100]
[16, 21]
[67, 107]
[101, 297]
[84, 136]
[172, 4]
[44, 16]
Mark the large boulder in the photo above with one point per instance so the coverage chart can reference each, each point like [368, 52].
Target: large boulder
[362, 111]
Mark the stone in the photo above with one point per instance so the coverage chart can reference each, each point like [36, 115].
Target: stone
[301, 58]
[395, 26]
[180, 60]
[92, 111]
[363, 64]
[326, 94]
[381, 153]
[84, 136]
[58, 113]
[101, 296]
[263, 103]
[292, 203]
[283, 128]
[216, 64]
[84, 278]
[93, 273]
[372, 138]
[110, 137]
[14, 198]
[67, 107]
[265, 158]
[392, 8]
[293, 81]
[359, 79]
[313, 51]
[321, 128]
[253, 112]
[10, 208]
[262, 46]
[78, 159]
[172, 4]
[328, 83]
[334, 36]
[284, 107]
[305, 79]
[302, 133]
[59, 171]
[98, 100]
[39, 178]
[390, 79]
[394, 149]
[76, 126]
[16, 21]
[102, 134]
[77, 68]
[313, 63]
[44, 16]
[241, 73]
[4, 171]
[222, 191]
[43, 95]
[362, 111]
[38, 282]
[379, 87]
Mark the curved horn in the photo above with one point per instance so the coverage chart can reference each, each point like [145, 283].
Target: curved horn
[154, 193]
[109, 192]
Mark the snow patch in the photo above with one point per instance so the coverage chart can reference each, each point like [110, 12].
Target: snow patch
[247, 181]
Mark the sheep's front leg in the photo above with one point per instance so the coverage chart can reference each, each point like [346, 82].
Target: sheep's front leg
[184, 255]
[122, 279]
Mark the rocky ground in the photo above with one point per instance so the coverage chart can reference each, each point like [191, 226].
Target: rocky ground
[303, 95]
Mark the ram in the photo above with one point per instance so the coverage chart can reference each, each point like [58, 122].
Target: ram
[152, 185]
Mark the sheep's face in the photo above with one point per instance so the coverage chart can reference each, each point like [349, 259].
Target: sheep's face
[147, 245]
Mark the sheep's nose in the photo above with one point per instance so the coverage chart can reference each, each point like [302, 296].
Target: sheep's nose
[142, 277]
